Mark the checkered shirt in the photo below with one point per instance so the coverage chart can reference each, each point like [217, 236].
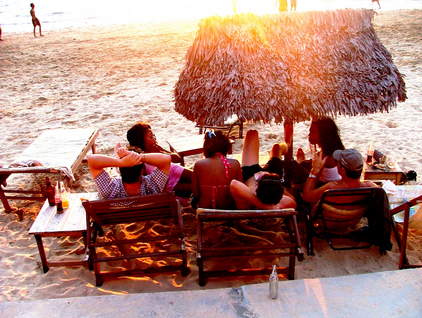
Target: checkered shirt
[112, 187]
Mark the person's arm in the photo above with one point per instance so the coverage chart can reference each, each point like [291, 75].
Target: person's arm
[195, 182]
[97, 163]
[159, 160]
[310, 193]
[157, 148]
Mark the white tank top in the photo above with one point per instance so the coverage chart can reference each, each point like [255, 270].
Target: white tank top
[330, 174]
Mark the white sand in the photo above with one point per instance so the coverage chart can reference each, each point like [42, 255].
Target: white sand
[109, 78]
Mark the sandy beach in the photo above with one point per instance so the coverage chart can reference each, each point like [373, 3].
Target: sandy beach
[108, 78]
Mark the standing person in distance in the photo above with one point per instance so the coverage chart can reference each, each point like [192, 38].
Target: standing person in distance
[35, 21]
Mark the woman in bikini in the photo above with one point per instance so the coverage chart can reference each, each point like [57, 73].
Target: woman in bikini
[212, 175]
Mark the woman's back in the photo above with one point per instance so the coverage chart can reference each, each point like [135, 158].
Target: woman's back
[211, 181]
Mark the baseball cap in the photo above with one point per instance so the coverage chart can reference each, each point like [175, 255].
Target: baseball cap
[349, 158]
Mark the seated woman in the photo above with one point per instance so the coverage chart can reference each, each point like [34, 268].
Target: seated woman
[324, 133]
[262, 187]
[212, 176]
[140, 136]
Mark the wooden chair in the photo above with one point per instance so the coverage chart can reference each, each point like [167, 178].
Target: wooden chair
[277, 248]
[402, 240]
[337, 210]
[166, 246]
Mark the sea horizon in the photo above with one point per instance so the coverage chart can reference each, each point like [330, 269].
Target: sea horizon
[56, 15]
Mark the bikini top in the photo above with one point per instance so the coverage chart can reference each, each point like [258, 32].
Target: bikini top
[226, 164]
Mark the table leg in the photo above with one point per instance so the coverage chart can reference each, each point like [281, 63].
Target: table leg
[5, 202]
[403, 260]
[41, 250]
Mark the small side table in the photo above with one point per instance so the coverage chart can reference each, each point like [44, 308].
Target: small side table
[372, 173]
[72, 222]
[187, 146]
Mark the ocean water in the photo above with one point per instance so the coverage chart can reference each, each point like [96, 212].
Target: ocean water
[58, 14]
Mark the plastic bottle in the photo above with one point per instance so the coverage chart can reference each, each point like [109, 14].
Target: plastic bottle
[58, 199]
[274, 283]
[370, 153]
[50, 192]
[65, 200]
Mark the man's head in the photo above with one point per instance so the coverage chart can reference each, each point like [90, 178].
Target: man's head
[351, 160]
[132, 174]
[270, 190]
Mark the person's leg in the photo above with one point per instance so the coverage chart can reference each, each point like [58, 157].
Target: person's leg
[250, 151]
[39, 25]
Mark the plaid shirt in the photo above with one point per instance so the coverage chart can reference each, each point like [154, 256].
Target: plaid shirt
[112, 188]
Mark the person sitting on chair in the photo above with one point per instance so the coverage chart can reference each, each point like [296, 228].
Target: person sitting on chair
[212, 175]
[131, 182]
[349, 166]
[262, 187]
[141, 138]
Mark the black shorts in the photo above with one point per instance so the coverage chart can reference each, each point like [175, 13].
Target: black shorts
[274, 165]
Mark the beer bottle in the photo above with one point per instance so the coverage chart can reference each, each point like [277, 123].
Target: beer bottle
[50, 192]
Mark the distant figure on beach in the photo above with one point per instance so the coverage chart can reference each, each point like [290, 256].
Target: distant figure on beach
[282, 5]
[35, 20]
[141, 137]
[262, 187]
[0, 33]
[131, 181]
[212, 175]
[293, 5]
[377, 1]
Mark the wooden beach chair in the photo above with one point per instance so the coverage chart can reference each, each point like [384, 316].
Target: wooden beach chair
[290, 248]
[119, 251]
[54, 151]
[337, 210]
[228, 125]
[402, 239]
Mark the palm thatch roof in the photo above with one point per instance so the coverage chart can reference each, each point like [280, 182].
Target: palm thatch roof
[287, 67]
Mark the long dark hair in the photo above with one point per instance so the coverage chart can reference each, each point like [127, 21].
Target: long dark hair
[329, 135]
[136, 134]
[270, 190]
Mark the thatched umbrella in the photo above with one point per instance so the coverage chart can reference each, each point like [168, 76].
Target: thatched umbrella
[287, 67]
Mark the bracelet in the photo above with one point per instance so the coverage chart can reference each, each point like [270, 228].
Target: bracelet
[143, 157]
[312, 176]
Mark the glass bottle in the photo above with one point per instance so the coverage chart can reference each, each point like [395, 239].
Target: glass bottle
[370, 153]
[50, 192]
[58, 199]
[65, 200]
[274, 283]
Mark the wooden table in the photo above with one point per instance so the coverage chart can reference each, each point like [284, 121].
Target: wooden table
[61, 148]
[402, 201]
[372, 173]
[187, 146]
[72, 222]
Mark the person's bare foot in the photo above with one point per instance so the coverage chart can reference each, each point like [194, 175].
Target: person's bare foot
[300, 155]
[284, 148]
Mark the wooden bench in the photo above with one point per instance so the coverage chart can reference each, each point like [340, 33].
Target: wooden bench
[289, 249]
[65, 148]
[166, 246]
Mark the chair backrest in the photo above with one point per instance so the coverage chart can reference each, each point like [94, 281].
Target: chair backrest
[342, 208]
[216, 214]
[134, 209]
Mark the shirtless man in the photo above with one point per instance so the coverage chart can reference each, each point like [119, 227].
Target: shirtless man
[35, 20]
